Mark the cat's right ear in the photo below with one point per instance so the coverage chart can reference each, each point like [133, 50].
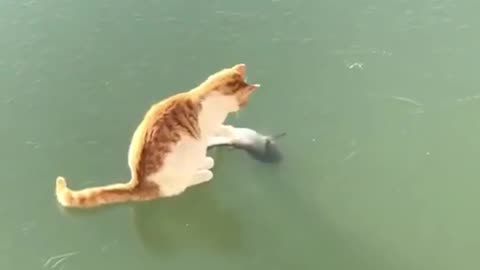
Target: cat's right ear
[240, 68]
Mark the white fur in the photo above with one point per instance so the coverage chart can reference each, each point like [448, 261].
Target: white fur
[234, 135]
[188, 165]
[219, 140]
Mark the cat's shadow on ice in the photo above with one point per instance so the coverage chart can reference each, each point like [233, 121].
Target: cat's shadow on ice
[192, 221]
[196, 219]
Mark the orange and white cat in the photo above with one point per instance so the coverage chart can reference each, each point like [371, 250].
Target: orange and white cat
[168, 150]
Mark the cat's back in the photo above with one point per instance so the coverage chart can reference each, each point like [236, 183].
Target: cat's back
[163, 127]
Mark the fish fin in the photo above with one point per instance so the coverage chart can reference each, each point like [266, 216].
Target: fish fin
[279, 135]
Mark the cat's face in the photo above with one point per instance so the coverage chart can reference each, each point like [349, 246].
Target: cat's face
[231, 82]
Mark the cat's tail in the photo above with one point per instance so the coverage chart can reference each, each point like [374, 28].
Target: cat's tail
[97, 196]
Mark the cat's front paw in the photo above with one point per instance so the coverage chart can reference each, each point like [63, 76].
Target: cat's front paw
[208, 163]
[201, 176]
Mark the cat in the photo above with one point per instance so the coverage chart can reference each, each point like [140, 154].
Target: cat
[258, 146]
[168, 149]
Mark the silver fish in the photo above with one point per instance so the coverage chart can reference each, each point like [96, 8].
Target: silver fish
[258, 146]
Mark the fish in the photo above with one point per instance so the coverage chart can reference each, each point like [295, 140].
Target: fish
[259, 146]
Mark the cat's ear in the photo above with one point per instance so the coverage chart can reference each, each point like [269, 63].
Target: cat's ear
[240, 68]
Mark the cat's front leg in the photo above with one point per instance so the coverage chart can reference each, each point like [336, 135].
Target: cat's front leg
[219, 140]
[224, 135]
[227, 131]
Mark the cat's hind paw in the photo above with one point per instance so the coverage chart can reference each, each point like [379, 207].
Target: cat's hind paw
[201, 176]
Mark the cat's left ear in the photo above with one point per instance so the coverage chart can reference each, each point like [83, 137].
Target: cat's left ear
[240, 68]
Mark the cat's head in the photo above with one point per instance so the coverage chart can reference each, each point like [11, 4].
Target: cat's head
[231, 82]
